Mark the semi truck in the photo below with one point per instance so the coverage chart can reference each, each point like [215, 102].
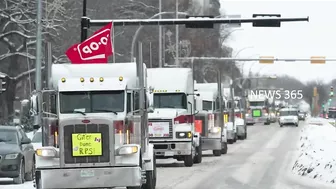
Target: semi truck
[171, 125]
[97, 135]
[258, 110]
[213, 135]
[240, 118]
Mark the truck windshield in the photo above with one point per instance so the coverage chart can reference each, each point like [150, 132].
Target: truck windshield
[170, 100]
[288, 113]
[332, 114]
[207, 105]
[92, 101]
[257, 103]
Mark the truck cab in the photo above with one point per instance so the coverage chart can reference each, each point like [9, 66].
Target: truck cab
[171, 125]
[95, 129]
[258, 110]
[213, 135]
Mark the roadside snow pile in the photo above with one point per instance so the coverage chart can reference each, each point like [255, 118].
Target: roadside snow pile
[317, 151]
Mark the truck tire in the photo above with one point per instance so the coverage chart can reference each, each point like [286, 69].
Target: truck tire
[188, 160]
[230, 141]
[217, 152]
[235, 138]
[281, 125]
[224, 148]
[245, 135]
[198, 156]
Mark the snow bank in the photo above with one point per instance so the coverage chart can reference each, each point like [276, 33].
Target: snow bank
[317, 151]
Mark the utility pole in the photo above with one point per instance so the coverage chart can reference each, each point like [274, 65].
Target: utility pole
[220, 96]
[38, 67]
[177, 35]
[160, 36]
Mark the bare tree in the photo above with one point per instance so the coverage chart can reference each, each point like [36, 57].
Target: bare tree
[17, 53]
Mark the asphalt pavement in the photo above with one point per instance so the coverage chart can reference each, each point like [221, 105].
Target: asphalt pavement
[263, 161]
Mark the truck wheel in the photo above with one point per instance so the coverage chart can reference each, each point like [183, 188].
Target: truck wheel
[297, 125]
[217, 152]
[198, 156]
[188, 160]
[224, 148]
[235, 138]
[230, 141]
[245, 135]
[281, 125]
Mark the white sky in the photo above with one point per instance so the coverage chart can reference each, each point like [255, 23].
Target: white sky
[293, 40]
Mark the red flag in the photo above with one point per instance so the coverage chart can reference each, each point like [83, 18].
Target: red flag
[95, 49]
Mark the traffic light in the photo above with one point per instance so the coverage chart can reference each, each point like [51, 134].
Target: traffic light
[3, 83]
[331, 91]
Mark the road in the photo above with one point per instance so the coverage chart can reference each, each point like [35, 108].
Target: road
[262, 161]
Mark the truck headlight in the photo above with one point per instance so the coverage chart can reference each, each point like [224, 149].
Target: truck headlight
[11, 156]
[127, 150]
[46, 152]
[266, 114]
[247, 115]
[183, 134]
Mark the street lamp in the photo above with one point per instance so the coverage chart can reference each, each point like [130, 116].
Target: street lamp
[140, 28]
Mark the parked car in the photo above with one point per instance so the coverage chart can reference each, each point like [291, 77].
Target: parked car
[16, 155]
[37, 139]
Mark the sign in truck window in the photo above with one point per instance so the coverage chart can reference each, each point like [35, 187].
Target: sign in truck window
[256, 113]
[86, 144]
[158, 129]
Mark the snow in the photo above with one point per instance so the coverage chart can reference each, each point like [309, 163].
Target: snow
[317, 151]
[8, 184]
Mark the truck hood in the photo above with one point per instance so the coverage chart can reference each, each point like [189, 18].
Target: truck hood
[166, 113]
[109, 115]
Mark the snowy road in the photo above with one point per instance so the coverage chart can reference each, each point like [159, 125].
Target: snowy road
[263, 161]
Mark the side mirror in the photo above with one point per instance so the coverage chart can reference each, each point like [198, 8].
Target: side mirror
[196, 112]
[26, 141]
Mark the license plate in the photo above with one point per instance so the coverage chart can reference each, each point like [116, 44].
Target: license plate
[169, 153]
[87, 173]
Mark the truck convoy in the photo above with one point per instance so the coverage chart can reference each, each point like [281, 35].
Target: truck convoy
[213, 135]
[171, 125]
[258, 110]
[100, 129]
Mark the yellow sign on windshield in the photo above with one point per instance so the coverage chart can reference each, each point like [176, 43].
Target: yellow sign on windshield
[86, 144]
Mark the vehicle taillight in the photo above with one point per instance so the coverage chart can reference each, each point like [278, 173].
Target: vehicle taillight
[184, 119]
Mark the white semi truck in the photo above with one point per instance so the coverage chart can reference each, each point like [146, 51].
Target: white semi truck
[99, 138]
[258, 110]
[171, 125]
[213, 135]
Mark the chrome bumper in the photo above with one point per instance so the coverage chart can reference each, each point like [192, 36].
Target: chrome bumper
[171, 149]
[211, 144]
[91, 177]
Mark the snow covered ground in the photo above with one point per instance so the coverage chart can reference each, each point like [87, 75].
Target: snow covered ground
[317, 151]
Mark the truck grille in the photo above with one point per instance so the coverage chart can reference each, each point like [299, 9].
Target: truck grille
[86, 128]
[170, 127]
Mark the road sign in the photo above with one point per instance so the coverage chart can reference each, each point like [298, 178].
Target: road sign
[318, 60]
[266, 59]
[234, 25]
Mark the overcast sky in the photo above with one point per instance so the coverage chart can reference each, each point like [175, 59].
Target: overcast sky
[293, 40]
